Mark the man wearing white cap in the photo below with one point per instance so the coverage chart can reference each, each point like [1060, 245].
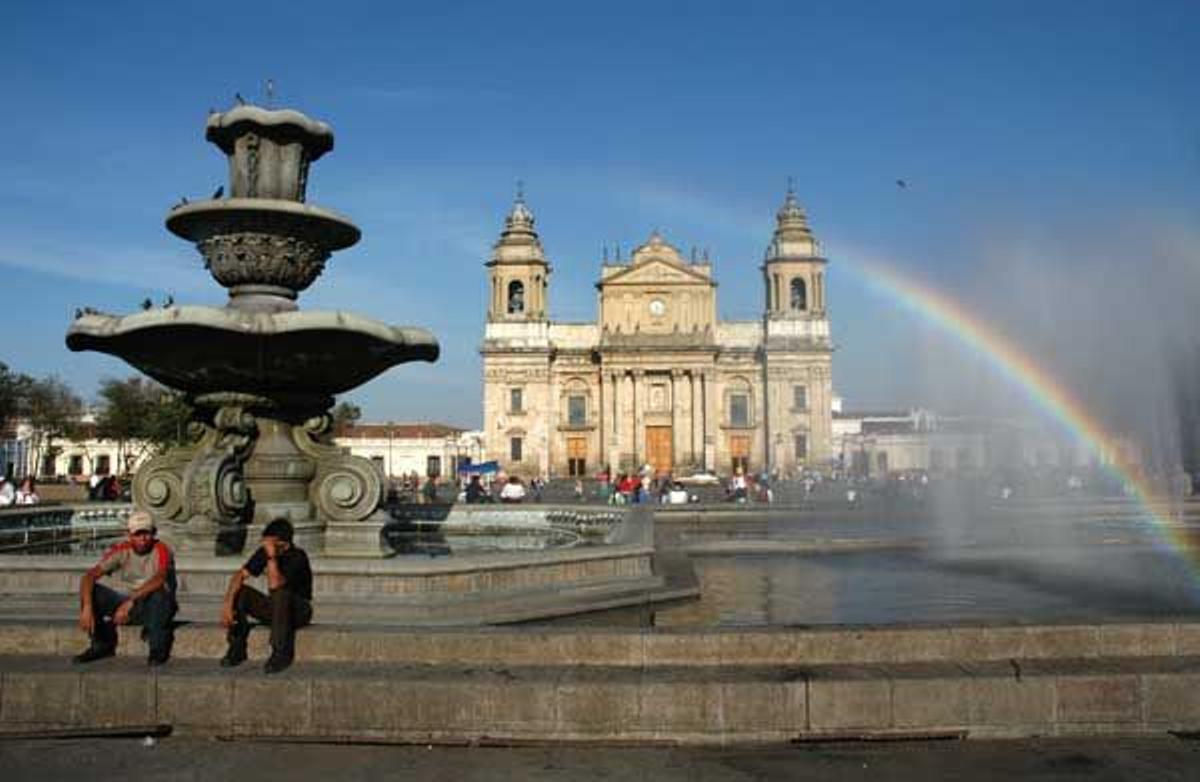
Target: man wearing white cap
[146, 567]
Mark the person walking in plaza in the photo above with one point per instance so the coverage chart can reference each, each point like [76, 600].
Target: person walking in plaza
[475, 491]
[286, 607]
[429, 492]
[27, 493]
[146, 567]
[513, 491]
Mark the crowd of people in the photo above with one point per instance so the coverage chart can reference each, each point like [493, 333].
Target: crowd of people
[106, 487]
[24, 493]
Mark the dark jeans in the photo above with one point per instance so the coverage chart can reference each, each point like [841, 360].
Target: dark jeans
[154, 612]
[283, 609]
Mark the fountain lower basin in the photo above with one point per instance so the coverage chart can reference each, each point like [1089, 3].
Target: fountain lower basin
[616, 569]
[213, 350]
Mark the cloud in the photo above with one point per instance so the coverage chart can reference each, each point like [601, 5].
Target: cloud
[689, 208]
[177, 269]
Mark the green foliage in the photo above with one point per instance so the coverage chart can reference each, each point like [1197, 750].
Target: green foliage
[139, 410]
[14, 389]
[52, 408]
[345, 414]
[167, 423]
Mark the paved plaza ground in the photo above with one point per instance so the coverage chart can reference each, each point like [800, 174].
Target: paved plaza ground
[183, 759]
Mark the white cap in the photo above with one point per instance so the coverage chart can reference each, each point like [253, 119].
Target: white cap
[139, 520]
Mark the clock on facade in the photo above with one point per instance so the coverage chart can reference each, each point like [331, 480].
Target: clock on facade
[657, 307]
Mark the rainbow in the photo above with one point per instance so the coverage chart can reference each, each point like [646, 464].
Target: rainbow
[1042, 388]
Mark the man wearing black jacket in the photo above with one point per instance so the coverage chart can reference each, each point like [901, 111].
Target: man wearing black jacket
[287, 606]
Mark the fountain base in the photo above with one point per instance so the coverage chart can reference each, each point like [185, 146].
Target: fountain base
[254, 460]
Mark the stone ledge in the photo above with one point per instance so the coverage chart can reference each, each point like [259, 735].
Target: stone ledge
[700, 705]
[378, 634]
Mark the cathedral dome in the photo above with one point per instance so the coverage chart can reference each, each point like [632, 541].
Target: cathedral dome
[793, 238]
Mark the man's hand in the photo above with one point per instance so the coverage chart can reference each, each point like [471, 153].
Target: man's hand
[87, 622]
[226, 615]
[121, 615]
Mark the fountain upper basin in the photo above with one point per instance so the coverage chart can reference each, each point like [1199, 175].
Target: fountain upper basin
[210, 350]
[200, 220]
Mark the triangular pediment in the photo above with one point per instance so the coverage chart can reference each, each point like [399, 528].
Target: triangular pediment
[657, 271]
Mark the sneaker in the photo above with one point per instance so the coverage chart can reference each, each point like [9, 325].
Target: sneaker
[93, 653]
[277, 663]
[234, 656]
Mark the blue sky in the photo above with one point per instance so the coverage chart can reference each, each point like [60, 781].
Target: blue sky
[1044, 143]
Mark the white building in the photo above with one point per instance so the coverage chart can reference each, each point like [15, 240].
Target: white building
[63, 457]
[403, 449]
[398, 449]
[874, 443]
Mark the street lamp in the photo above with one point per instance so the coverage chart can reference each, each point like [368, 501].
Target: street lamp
[390, 471]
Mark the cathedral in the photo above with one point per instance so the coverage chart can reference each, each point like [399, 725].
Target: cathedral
[657, 380]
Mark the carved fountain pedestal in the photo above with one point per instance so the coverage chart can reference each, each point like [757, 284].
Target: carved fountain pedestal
[260, 373]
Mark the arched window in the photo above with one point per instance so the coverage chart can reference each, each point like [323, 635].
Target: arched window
[516, 297]
[799, 295]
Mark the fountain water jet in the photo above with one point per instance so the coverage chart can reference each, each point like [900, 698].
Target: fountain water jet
[260, 373]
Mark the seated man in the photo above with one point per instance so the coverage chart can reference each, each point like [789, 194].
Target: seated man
[146, 566]
[289, 606]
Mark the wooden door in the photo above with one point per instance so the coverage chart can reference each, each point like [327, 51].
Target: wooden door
[658, 448]
[739, 451]
[576, 456]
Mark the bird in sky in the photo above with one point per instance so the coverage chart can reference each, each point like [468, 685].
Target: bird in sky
[902, 184]
[147, 304]
[220, 191]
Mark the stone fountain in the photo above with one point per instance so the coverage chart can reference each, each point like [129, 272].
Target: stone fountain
[260, 373]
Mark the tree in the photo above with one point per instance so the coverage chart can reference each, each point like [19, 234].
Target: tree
[53, 410]
[14, 388]
[139, 414]
[168, 422]
[345, 414]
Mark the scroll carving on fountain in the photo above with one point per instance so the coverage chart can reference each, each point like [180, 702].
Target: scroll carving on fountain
[260, 373]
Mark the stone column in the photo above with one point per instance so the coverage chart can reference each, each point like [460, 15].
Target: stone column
[696, 452]
[551, 419]
[678, 437]
[639, 407]
[618, 436]
[601, 418]
[613, 455]
[711, 430]
[627, 411]
[768, 421]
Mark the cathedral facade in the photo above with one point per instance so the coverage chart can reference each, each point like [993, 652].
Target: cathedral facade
[657, 379]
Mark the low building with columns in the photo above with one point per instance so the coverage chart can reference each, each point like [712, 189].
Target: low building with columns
[657, 379]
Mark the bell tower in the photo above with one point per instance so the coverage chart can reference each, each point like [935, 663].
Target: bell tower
[518, 271]
[516, 350]
[798, 353]
[793, 269]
